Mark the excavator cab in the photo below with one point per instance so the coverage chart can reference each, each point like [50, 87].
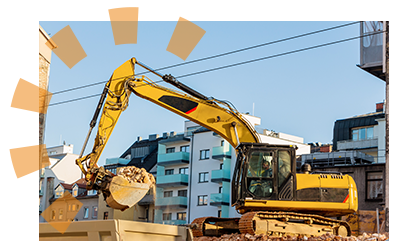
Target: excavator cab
[263, 172]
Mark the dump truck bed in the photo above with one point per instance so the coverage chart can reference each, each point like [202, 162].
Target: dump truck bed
[114, 230]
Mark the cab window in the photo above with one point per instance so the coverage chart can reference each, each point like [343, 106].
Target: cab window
[283, 166]
[260, 173]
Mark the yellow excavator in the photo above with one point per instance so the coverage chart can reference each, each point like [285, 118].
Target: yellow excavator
[266, 190]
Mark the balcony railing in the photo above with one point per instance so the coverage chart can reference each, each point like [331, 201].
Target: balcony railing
[113, 161]
[176, 158]
[173, 222]
[371, 44]
[174, 180]
[221, 152]
[359, 144]
[219, 199]
[171, 202]
[220, 175]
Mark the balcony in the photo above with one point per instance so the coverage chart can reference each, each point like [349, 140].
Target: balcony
[174, 180]
[219, 199]
[171, 202]
[360, 144]
[176, 158]
[221, 152]
[218, 176]
[173, 222]
[372, 47]
[114, 161]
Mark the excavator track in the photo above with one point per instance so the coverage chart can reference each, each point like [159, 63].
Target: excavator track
[214, 226]
[270, 223]
[276, 223]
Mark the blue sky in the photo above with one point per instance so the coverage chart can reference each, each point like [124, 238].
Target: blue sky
[300, 94]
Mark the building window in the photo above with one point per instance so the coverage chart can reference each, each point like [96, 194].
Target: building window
[370, 133]
[182, 193]
[219, 213]
[140, 151]
[113, 170]
[221, 166]
[91, 192]
[85, 212]
[204, 154]
[170, 150]
[181, 216]
[105, 216]
[359, 134]
[185, 148]
[72, 207]
[220, 190]
[60, 214]
[59, 191]
[167, 194]
[169, 171]
[184, 170]
[94, 214]
[374, 185]
[202, 200]
[53, 214]
[167, 216]
[203, 177]
[75, 191]
[222, 143]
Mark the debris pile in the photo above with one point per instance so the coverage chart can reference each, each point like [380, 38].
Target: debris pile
[136, 175]
[324, 237]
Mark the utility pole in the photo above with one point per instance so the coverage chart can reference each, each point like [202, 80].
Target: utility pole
[387, 129]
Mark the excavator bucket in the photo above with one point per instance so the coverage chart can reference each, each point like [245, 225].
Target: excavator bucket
[125, 194]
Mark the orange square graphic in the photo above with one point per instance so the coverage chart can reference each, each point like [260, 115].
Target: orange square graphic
[185, 38]
[69, 50]
[27, 160]
[124, 23]
[62, 211]
[30, 97]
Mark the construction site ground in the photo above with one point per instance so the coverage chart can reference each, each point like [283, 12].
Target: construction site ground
[325, 237]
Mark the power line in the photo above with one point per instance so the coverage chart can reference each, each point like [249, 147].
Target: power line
[245, 62]
[220, 55]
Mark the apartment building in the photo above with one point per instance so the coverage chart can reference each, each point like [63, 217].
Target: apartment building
[173, 179]
[194, 172]
[359, 151]
[364, 133]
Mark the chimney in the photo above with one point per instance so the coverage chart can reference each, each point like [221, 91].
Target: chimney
[379, 107]
[139, 138]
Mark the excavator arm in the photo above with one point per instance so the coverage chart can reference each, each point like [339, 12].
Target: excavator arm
[218, 116]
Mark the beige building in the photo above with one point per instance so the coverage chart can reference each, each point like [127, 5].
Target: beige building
[72, 202]
[45, 48]
[46, 45]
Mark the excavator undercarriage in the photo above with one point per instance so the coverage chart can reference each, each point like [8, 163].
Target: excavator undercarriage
[270, 223]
